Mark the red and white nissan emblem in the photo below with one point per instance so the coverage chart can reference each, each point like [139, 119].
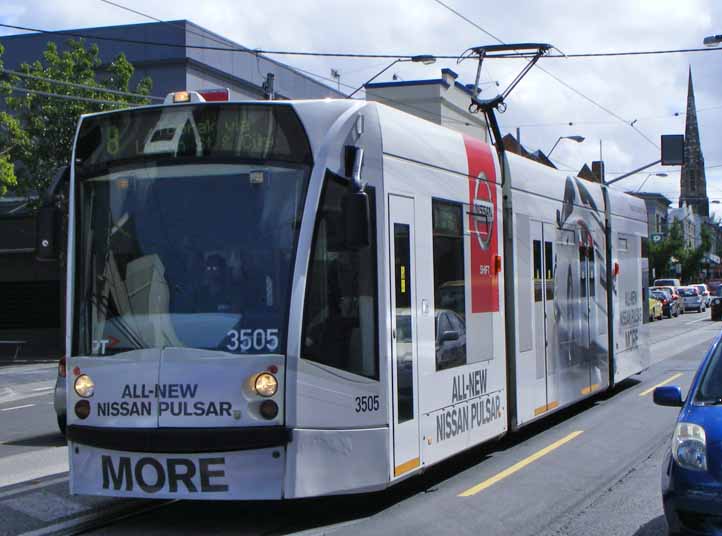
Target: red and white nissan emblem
[483, 212]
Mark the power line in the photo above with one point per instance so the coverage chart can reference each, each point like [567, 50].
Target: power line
[68, 97]
[199, 34]
[80, 86]
[357, 55]
[217, 40]
[559, 80]
[222, 49]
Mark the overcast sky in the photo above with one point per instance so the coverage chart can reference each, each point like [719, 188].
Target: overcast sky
[650, 89]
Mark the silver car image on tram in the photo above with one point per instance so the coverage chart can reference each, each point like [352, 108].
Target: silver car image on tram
[292, 299]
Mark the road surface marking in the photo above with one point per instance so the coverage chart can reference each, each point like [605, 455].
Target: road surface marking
[17, 407]
[698, 320]
[519, 465]
[660, 384]
[44, 388]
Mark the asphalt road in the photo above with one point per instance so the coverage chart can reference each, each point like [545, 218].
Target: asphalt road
[592, 469]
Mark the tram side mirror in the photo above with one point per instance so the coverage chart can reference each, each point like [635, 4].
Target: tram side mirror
[357, 220]
[449, 336]
[47, 221]
[46, 237]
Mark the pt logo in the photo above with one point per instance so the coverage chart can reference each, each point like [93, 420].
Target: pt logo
[483, 212]
[101, 345]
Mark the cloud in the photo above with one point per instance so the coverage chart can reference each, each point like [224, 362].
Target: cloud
[649, 89]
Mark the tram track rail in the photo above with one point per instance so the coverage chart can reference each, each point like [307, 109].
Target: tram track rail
[97, 520]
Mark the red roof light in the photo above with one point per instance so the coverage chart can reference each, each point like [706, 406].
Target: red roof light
[215, 95]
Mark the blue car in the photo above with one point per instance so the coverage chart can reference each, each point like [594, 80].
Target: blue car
[692, 469]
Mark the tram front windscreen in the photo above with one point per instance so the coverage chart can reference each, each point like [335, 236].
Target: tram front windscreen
[187, 221]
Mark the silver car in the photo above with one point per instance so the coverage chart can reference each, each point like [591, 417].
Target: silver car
[692, 299]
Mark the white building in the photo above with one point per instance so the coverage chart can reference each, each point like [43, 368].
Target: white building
[443, 101]
[691, 224]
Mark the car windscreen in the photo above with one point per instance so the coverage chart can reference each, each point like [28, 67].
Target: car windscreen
[688, 292]
[710, 386]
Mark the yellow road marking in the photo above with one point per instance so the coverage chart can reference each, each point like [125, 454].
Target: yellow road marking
[660, 384]
[519, 465]
[406, 466]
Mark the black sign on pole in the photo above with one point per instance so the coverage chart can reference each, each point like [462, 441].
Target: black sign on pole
[672, 149]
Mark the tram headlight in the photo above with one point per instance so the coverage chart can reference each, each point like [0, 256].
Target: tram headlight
[84, 386]
[266, 384]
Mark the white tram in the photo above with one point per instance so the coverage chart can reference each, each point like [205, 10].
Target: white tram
[240, 328]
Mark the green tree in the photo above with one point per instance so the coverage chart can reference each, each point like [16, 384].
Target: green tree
[36, 134]
[691, 258]
[661, 253]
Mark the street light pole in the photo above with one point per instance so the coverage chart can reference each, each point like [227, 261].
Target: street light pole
[578, 139]
[426, 59]
[647, 177]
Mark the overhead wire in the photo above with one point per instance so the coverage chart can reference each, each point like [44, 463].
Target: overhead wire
[69, 97]
[218, 40]
[553, 76]
[353, 54]
[100, 89]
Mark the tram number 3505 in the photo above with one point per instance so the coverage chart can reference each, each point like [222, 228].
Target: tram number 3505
[252, 339]
[367, 403]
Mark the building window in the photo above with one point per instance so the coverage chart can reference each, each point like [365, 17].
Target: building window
[449, 284]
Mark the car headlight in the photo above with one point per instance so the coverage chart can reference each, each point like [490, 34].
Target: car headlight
[689, 446]
[266, 384]
[84, 386]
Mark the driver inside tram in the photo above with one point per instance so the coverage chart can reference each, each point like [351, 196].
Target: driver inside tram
[214, 294]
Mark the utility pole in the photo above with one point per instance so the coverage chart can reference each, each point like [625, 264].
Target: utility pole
[268, 86]
[336, 75]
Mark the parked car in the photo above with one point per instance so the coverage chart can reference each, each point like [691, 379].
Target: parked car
[671, 306]
[450, 339]
[713, 285]
[716, 305]
[667, 283]
[692, 299]
[59, 396]
[691, 471]
[704, 292]
[656, 309]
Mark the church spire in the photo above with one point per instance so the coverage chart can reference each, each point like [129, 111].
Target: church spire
[693, 182]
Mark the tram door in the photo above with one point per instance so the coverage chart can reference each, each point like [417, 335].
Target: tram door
[587, 290]
[546, 336]
[404, 334]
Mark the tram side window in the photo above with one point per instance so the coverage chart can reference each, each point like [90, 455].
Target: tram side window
[339, 320]
[537, 271]
[449, 284]
[549, 266]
